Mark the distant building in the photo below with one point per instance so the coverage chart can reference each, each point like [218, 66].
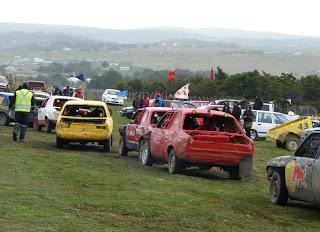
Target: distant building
[124, 68]
[113, 64]
[66, 49]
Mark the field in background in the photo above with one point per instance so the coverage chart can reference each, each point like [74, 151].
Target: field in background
[43, 188]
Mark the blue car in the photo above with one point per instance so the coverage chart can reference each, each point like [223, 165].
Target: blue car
[5, 113]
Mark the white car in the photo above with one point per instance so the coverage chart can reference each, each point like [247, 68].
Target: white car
[49, 112]
[110, 97]
[264, 121]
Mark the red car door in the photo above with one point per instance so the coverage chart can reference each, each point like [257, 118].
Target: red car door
[160, 136]
[133, 125]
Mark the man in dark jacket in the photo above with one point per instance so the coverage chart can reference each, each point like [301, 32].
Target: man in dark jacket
[236, 111]
[248, 117]
[137, 102]
[258, 103]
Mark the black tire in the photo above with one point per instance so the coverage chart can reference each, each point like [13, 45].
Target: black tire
[59, 142]
[122, 150]
[279, 144]
[144, 154]
[292, 143]
[107, 145]
[4, 119]
[36, 126]
[234, 173]
[254, 134]
[174, 164]
[278, 193]
[50, 126]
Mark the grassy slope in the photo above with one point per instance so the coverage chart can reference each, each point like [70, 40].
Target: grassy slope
[44, 188]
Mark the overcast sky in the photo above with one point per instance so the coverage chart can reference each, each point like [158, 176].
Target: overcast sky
[286, 16]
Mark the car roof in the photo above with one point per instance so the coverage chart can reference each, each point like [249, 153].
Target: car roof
[64, 97]
[6, 94]
[86, 102]
[159, 109]
[199, 111]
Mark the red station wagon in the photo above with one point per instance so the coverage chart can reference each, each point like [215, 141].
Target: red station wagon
[203, 138]
[142, 121]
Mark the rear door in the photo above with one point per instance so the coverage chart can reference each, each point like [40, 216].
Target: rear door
[299, 171]
[42, 110]
[264, 123]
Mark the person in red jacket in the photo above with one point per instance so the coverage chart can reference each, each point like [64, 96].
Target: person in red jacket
[78, 93]
[146, 100]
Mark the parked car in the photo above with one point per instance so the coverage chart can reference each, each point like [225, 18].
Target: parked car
[288, 135]
[127, 112]
[142, 121]
[110, 97]
[264, 121]
[296, 177]
[49, 112]
[84, 122]
[37, 85]
[187, 137]
[5, 115]
[4, 84]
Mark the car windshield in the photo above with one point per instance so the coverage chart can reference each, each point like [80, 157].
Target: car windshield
[3, 79]
[210, 123]
[84, 111]
[112, 92]
[280, 119]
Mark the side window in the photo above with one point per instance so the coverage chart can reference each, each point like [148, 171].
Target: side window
[264, 117]
[265, 107]
[279, 119]
[165, 121]
[45, 103]
[310, 147]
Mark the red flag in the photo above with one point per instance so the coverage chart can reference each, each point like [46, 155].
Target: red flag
[211, 74]
[172, 76]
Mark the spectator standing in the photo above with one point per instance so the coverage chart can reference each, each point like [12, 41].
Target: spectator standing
[67, 92]
[236, 111]
[258, 103]
[226, 109]
[57, 91]
[146, 100]
[159, 101]
[248, 118]
[78, 94]
[137, 102]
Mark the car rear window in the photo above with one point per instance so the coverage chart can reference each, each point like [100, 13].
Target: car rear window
[210, 123]
[113, 92]
[156, 116]
[60, 102]
[84, 111]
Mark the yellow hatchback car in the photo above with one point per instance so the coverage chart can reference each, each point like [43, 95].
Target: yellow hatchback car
[84, 122]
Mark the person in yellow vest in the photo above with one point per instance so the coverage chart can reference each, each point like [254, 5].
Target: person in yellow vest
[23, 101]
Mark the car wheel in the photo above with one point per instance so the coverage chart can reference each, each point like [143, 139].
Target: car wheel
[254, 134]
[292, 143]
[122, 150]
[4, 120]
[278, 193]
[49, 126]
[107, 145]
[234, 173]
[174, 164]
[144, 154]
[59, 142]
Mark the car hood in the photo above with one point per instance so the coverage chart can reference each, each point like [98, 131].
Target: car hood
[280, 161]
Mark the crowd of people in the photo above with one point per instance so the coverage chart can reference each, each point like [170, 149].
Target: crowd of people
[78, 93]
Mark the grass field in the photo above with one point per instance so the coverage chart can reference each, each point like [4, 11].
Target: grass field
[43, 188]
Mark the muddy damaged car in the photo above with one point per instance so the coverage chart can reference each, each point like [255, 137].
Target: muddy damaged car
[85, 122]
[296, 177]
[202, 138]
